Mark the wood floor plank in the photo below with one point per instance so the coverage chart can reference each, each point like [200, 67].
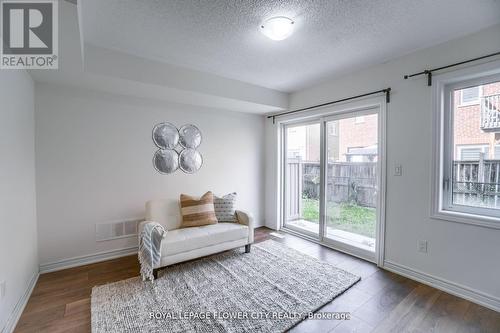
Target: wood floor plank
[78, 322]
[315, 325]
[59, 285]
[61, 300]
[410, 312]
[77, 307]
[380, 305]
[34, 320]
[55, 300]
[354, 325]
[480, 319]
[349, 301]
[325, 254]
[379, 280]
[446, 315]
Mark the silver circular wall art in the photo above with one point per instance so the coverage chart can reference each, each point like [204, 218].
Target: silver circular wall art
[190, 160]
[177, 148]
[190, 136]
[166, 161]
[165, 136]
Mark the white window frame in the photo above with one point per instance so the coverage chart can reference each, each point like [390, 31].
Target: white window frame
[474, 102]
[443, 148]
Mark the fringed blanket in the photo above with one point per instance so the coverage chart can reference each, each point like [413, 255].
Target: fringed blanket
[150, 248]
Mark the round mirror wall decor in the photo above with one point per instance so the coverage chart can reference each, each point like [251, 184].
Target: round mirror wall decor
[166, 161]
[190, 160]
[190, 136]
[177, 148]
[165, 136]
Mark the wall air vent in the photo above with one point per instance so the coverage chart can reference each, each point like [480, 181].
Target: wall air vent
[115, 230]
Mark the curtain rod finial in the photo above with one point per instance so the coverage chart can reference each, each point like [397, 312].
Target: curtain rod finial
[406, 77]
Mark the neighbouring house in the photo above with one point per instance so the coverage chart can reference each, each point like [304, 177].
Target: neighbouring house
[477, 122]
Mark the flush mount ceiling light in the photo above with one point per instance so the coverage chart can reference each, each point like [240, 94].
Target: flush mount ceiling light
[277, 28]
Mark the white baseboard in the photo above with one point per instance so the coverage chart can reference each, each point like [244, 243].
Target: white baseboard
[87, 259]
[20, 305]
[453, 288]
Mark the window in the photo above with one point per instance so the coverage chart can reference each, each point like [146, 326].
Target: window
[467, 161]
[470, 95]
[472, 153]
[359, 120]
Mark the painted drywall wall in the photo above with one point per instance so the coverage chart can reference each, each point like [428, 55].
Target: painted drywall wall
[463, 254]
[18, 238]
[94, 164]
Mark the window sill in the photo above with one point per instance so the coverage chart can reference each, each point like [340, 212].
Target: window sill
[464, 104]
[472, 219]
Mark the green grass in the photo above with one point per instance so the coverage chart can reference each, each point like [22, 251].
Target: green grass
[344, 216]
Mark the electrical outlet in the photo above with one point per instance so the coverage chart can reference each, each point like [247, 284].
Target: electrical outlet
[398, 170]
[422, 246]
[2, 289]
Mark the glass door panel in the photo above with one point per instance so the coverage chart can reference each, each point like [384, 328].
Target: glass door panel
[351, 185]
[302, 179]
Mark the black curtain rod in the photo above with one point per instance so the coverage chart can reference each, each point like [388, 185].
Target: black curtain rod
[428, 72]
[386, 91]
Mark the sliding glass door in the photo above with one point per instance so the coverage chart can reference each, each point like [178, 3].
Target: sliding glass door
[302, 177]
[331, 180]
[352, 182]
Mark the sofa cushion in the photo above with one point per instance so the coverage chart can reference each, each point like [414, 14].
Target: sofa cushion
[197, 212]
[187, 239]
[164, 211]
[225, 208]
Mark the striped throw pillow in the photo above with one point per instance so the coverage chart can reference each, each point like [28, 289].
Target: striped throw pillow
[197, 212]
[225, 208]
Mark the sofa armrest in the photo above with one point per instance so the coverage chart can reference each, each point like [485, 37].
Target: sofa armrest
[246, 219]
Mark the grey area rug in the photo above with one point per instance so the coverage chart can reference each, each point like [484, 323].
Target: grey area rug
[267, 290]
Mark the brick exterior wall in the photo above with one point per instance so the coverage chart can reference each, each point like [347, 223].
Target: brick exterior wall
[467, 130]
[354, 134]
[348, 133]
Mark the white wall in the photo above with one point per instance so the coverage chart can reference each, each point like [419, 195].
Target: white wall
[18, 238]
[463, 254]
[94, 164]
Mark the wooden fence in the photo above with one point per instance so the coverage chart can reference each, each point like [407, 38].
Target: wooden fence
[346, 182]
[476, 183]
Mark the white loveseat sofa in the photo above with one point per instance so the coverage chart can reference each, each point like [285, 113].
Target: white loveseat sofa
[181, 244]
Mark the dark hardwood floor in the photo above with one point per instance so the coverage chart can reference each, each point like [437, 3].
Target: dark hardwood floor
[381, 302]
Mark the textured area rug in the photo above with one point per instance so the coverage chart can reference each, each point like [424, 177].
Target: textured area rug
[270, 289]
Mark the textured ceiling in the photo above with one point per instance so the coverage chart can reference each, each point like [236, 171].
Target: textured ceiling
[332, 37]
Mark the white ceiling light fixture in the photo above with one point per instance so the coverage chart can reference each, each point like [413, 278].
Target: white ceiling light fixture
[277, 28]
